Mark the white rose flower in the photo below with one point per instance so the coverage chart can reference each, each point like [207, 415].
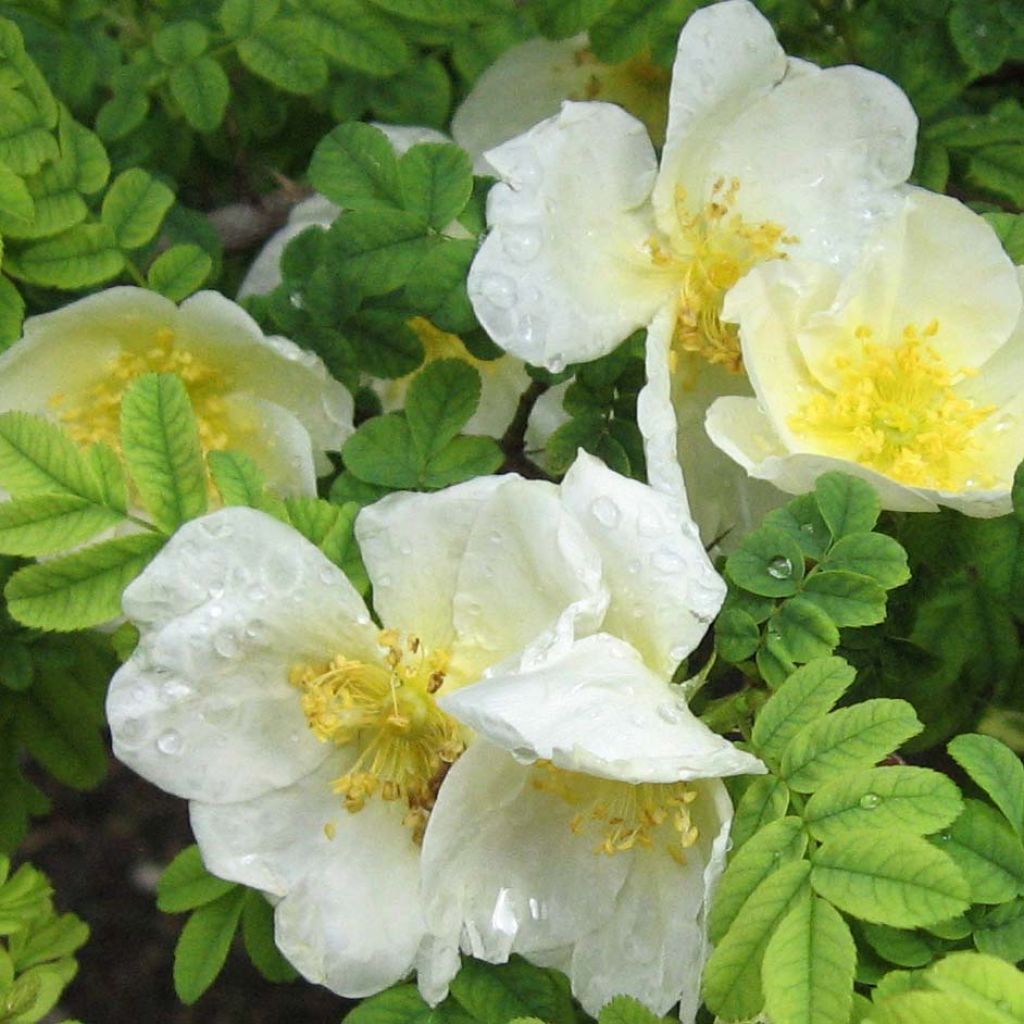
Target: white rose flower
[587, 826]
[261, 395]
[906, 373]
[765, 157]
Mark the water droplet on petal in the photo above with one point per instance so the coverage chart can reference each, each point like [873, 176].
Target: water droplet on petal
[538, 908]
[668, 561]
[522, 243]
[869, 801]
[605, 511]
[175, 690]
[499, 290]
[130, 731]
[169, 742]
[780, 568]
[225, 644]
[668, 712]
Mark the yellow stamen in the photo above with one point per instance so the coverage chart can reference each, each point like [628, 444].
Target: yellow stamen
[406, 742]
[94, 413]
[626, 816]
[896, 410]
[708, 253]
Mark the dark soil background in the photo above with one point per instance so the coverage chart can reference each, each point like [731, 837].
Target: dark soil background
[104, 851]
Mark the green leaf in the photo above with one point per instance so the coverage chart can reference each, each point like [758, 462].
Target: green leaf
[15, 198]
[1001, 932]
[997, 770]
[1010, 229]
[1000, 170]
[243, 17]
[774, 662]
[847, 739]
[809, 966]
[37, 457]
[49, 523]
[732, 976]
[806, 696]
[134, 207]
[121, 114]
[85, 255]
[379, 249]
[204, 943]
[626, 1010]
[354, 37]
[240, 482]
[385, 345]
[186, 884]
[462, 459]
[980, 33]
[445, 12]
[82, 589]
[765, 800]
[560, 19]
[437, 286]
[848, 598]
[736, 635]
[805, 629]
[899, 946]
[916, 799]
[258, 933]
[179, 271]
[436, 181]
[202, 90]
[776, 845]
[440, 401]
[496, 994]
[893, 878]
[769, 563]
[630, 26]
[12, 312]
[355, 166]
[802, 520]
[180, 42]
[847, 505]
[160, 438]
[382, 452]
[987, 852]
[17, 669]
[403, 1004]
[870, 554]
[280, 52]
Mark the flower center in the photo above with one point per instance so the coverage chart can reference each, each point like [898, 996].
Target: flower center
[709, 252]
[94, 414]
[622, 815]
[406, 742]
[896, 410]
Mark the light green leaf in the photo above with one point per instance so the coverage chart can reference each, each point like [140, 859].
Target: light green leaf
[987, 852]
[134, 207]
[1000, 170]
[49, 523]
[732, 976]
[79, 590]
[243, 17]
[354, 37]
[898, 796]
[110, 474]
[1001, 932]
[179, 271]
[765, 800]
[180, 42]
[258, 933]
[12, 312]
[809, 965]
[122, 114]
[847, 505]
[436, 181]
[379, 248]
[26, 141]
[893, 878]
[626, 1010]
[239, 480]
[769, 563]
[805, 629]
[847, 739]
[204, 943]
[900, 946]
[440, 401]
[162, 451]
[776, 845]
[355, 166]
[85, 255]
[736, 635]
[403, 1004]
[848, 598]
[280, 52]
[186, 884]
[986, 981]
[806, 696]
[15, 199]
[774, 662]
[202, 90]
[870, 554]
[997, 770]
[37, 457]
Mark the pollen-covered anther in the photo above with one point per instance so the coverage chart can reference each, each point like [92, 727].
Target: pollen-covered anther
[404, 742]
[709, 251]
[896, 410]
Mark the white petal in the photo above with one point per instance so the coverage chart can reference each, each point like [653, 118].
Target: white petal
[501, 862]
[274, 368]
[822, 155]
[597, 708]
[663, 589]
[404, 136]
[526, 84]
[276, 441]
[502, 383]
[727, 57]
[546, 416]
[203, 708]
[654, 945]
[564, 274]
[350, 915]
